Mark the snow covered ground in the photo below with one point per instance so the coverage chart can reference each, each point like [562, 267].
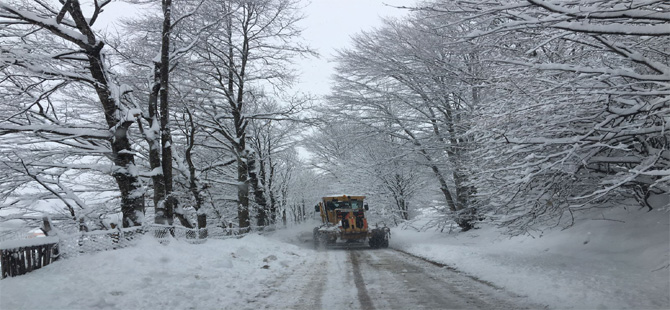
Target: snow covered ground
[598, 264]
[219, 274]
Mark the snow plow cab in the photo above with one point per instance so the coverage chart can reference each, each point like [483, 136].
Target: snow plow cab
[343, 218]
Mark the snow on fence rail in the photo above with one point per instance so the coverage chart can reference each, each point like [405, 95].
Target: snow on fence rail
[22, 256]
[19, 257]
[103, 240]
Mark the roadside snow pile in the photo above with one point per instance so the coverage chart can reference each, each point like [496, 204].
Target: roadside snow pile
[601, 263]
[219, 274]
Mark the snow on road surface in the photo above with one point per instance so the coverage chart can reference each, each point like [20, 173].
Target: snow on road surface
[254, 272]
[594, 265]
[363, 278]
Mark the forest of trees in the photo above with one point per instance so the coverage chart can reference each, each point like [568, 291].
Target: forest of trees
[522, 113]
[91, 118]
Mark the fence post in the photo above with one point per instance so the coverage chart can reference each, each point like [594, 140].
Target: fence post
[45, 256]
[46, 222]
[4, 261]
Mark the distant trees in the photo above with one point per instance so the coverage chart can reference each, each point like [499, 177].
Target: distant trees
[406, 82]
[351, 158]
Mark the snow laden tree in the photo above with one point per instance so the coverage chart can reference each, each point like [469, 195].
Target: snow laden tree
[164, 201]
[244, 59]
[580, 116]
[151, 52]
[273, 136]
[49, 52]
[289, 183]
[407, 80]
[354, 159]
[397, 177]
[299, 188]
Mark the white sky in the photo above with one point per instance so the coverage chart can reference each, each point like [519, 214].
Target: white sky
[329, 25]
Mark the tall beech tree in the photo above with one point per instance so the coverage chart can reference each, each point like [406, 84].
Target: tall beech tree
[54, 44]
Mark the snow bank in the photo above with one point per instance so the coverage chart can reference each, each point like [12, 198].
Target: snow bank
[601, 263]
[219, 274]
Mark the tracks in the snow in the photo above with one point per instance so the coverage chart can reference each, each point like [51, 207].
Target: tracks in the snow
[449, 268]
[357, 277]
[363, 296]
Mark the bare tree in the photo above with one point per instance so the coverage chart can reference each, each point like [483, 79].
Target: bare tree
[249, 50]
[271, 137]
[55, 45]
[406, 80]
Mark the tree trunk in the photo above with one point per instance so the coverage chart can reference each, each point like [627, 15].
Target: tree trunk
[166, 137]
[444, 188]
[302, 213]
[154, 150]
[193, 181]
[259, 196]
[242, 194]
[238, 139]
[125, 172]
[202, 225]
[181, 217]
[264, 178]
[273, 199]
[132, 195]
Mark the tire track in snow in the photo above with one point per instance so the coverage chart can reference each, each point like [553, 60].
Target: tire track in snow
[450, 268]
[396, 280]
[363, 297]
[316, 283]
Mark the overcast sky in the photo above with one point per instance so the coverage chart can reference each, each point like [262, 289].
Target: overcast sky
[329, 26]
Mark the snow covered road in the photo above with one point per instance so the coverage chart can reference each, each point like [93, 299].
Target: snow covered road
[363, 278]
[594, 265]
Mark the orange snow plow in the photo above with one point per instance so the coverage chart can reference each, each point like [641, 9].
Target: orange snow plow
[343, 218]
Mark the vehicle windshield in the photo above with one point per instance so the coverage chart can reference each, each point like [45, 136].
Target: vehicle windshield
[353, 204]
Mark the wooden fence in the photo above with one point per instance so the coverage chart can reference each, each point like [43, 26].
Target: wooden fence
[34, 254]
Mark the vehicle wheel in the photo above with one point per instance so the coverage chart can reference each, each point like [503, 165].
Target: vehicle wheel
[320, 239]
[385, 243]
[375, 241]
